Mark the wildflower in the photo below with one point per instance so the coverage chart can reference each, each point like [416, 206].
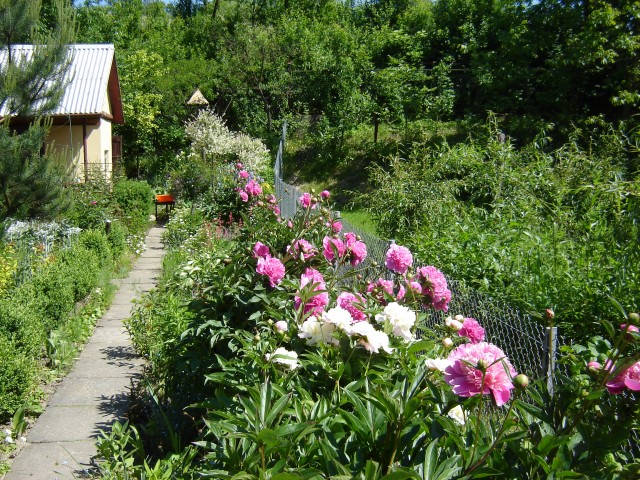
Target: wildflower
[272, 268]
[284, 357]
[332, 248]
[356, 250]
[346, 300]
[627, 378]
[316, 331]
[480, 369]
[398, 259]
[434, 287]
[472, 330]
[457, 414]
[260, 250]
[401, 319]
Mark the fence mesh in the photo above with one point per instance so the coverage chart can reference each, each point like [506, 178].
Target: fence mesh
[524, 341]
[521, 338]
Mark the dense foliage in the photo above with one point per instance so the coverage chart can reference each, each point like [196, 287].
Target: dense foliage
[277, 351]
[342, 64]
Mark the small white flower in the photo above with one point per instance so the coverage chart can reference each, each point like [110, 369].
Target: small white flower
[7, 431]
[457, 414]
[284, 357]
[8, 439]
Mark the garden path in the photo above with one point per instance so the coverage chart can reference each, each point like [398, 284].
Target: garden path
[62, 442]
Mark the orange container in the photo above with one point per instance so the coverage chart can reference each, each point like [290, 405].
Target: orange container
[164, 198]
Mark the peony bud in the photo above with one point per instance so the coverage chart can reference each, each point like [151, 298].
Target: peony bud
[594, 367]
[482, 364]
[549, 314]
[447, 342]
[521, 381]
[281, 326]
[633, 318]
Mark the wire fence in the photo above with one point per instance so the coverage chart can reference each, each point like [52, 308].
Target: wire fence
[523, 340]
[531, 347]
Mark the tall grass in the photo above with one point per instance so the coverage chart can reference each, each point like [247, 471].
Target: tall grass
[534, 226]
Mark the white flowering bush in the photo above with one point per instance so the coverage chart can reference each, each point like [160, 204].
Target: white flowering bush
[211, 138]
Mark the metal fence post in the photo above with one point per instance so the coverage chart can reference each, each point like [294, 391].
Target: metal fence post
[550, 349]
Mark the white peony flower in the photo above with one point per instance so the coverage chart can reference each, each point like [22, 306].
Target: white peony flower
[284, 357]
[371, 339]
[401, 318]
[339, 317]
[316, 331]
[457, 414]
[437, 364]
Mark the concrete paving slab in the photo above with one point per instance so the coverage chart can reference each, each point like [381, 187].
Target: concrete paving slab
[53, 461]
[61, 444]
[76, 391]
[62, 423]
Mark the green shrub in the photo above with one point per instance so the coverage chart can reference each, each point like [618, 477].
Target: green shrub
[97, 242]
[117, 238]
[18, 373]
[21, 325]
[82, 266]
[51, 294]
[134, 200]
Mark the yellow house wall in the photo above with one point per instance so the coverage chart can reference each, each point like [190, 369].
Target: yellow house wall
[67, 140]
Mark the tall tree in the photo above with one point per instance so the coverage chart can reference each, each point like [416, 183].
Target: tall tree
[31, 183]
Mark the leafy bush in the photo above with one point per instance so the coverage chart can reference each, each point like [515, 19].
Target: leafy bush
[134, 200]
[97, 242]
[82, 267]
[117, 238]
[18, 373]
[22, 326]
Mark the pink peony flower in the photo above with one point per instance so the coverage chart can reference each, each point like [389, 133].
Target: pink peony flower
[302, 248]
[480, 369]
[356, 250]
[305, 201]
[472, 330]
[332, 248]
[399, 259]
[325, 194]
[243, 196]
[271, 198]
[336, 226]
[289, 224]
[347, 300]
[379, 287]
[628, 378]
[253, 188]
[260, 250]
[319, 300]
[243, 174]
[239, 166]
[434, 287]
[272, 268]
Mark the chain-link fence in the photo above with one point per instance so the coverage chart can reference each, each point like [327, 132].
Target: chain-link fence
[530, 347]
[523, 340]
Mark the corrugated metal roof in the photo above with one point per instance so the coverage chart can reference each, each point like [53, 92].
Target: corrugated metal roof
[88, 77]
